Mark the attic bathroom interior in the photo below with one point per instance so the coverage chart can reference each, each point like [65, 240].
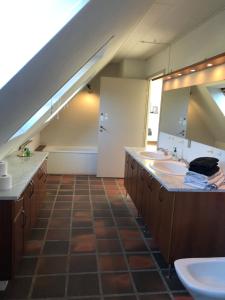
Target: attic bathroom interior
[112, 149]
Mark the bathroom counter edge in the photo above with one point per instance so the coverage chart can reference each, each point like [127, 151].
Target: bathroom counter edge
[22, 169]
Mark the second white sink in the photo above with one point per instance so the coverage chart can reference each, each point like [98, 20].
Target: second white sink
[157, 155]
[170, 167]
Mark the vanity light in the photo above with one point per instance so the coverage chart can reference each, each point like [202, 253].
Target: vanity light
[196, 67]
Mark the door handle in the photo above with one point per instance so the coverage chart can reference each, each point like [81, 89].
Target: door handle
[102, 129]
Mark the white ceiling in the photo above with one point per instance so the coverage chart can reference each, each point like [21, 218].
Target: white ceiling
[164, 22]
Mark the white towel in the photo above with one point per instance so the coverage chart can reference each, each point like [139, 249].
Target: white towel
[203, 178]
[204, 182]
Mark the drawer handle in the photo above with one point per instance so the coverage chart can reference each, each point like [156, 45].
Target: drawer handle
[24, 218]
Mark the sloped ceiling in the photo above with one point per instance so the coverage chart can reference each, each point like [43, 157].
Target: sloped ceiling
[165, 22]
[63, 56]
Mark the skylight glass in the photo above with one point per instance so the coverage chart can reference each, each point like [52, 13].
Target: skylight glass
[70, 88]
[218, 97]
[26, 26]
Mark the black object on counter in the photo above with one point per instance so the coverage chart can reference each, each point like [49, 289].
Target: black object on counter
[204, 165]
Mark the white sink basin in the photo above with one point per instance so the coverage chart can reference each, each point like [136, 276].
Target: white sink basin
[158, 155]
[170, 167]
[204, 278]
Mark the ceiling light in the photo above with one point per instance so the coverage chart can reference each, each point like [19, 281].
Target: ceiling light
[196, 67]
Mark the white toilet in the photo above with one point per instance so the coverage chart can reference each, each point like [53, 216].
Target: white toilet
[204, 278]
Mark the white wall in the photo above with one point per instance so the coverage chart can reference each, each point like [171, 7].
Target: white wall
[205, 41]
[77, 124]
[133, 68]
[190, 151]
[13, 145]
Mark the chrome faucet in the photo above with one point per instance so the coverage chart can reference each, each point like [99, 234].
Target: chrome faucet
[165, 151]
[184, 161]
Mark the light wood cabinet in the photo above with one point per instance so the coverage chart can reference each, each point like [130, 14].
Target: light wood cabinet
[183, 224]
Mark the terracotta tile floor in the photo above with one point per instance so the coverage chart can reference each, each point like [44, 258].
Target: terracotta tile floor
[88, 244]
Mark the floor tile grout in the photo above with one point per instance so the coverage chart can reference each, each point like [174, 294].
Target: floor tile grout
[99, 201]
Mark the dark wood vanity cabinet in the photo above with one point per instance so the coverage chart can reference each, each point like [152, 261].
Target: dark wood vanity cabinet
[131, 178]
[140, 189]
[18, 233]
[183, 224]
[163, 219]
[17, 217]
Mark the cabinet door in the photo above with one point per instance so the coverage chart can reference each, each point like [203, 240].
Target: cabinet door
[140, 189]
[154, 209]
[134, 175]
[33, 206]
[7, 209]
[127, 173]
[165, 217]
[18, 238]
[145, 206]
[27, 212]
[41, 185]
[198, 227]
[36, 195]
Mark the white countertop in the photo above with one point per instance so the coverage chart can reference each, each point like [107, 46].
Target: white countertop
[172, 183]
[22, 169]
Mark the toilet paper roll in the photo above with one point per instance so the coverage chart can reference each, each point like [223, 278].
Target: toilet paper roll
[3, 167]
[5, 182]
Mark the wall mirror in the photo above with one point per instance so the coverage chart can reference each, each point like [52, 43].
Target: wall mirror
[196, 113]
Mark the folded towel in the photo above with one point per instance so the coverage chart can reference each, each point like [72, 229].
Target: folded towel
[212, 183]
[206, 162]
[203, 178]
[201, 186]
[204, 170]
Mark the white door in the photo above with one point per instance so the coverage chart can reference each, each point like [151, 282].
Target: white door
[122, 122]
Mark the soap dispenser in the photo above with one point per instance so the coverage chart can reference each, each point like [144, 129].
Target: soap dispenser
[174, 152]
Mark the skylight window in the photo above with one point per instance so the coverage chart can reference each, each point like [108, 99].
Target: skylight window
[27, 26]
[58, 100]
[218, 97]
